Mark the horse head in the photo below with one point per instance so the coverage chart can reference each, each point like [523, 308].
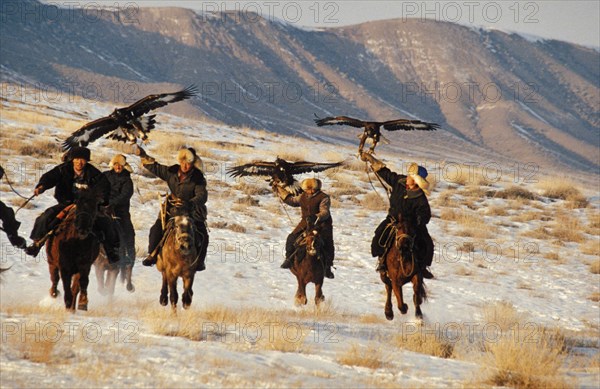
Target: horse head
[184, 234]
[405, 235]
[312, 243]
[86, 210]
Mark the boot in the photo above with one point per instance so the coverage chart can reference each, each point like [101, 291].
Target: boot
[427, 274]
[287, 264]
[200, 266]
[112, 255]
[150, 260]
[329, 273]
[34, 248]
[17, 241]
[381, 266]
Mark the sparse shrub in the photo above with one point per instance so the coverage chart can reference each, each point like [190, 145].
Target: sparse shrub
[425, 341]
[592, 247]
[515, 192]
[370, 356]
[564, 190]
[595, 297]
[373, 201]
[248, 200]
[236, 228]
[41, 149]
[595, 267]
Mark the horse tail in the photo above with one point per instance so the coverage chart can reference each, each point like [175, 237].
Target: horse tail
[422, 292]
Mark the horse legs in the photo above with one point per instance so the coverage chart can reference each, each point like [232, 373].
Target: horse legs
[75, 288]
[83, 280]
[389, 312]
[398, 292]
[54, 277]
[99, 270]
[69, 302]
[319, 296]
[126, 276]
[418, 289]
[186, 299]
[173, 295]
[164, 298]
[301, 293]
[111, 280]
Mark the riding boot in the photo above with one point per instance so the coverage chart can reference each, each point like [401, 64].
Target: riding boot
[34, 248]
[112, 253]
[381, 266]
[427, 274]
[17, 241]
[328, 272]
[200, 266]
[287, 264]
[150, 260]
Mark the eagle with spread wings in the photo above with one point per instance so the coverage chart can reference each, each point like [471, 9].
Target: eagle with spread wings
[281, 172]
[372, 130]
[128, 123]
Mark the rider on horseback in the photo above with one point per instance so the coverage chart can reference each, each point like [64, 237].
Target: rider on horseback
[188, 187]
[121, 191]
[72, 178]
[10, 225]
[409, 197]
[315, 214]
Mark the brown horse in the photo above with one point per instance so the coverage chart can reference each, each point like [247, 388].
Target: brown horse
[178, 257]
[403, 266]
[308, 268]
[72, 249]
[106, 274]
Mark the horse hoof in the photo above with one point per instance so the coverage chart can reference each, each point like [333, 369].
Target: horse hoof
[130, 288]
[404, 309]
[186, 306]
[389, 315]
[54, 293]
[82, 307]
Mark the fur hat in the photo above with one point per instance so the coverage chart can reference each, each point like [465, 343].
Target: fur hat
[79, 152]
[120, 159]
[419, 174]
[189, 155]
[311, 183]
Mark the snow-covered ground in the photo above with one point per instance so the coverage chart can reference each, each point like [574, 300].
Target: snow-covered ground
[243, 329]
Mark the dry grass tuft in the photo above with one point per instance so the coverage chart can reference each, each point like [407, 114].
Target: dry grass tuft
[591, 247]
[370, 356]
[515, 192]
[430, 342]
[563, 190]
[595, 267]
[374, 201]
[502, 314]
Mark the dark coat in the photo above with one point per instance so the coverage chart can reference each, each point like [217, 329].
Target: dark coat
[67, 189]
[316, 205]
[413, 205]
[121, 190]
[191, 189]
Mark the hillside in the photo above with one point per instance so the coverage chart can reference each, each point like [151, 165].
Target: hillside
[498, 96]
[514, 303]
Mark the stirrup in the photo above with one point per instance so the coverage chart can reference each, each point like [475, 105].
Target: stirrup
[329, 273]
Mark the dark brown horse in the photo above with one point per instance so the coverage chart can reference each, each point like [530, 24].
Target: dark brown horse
[178, 257]
[402, 260]
[308, 268]
[106, 274]
[72, 249]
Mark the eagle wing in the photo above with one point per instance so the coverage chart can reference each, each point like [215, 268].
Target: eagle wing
[409, 125]
[151, 102]
[256, 168]
[340, 120]
[90, 132]
[305, 167]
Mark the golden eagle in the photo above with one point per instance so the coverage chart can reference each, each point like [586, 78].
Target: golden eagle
[281, 172]
[129, 123]
[372, 129]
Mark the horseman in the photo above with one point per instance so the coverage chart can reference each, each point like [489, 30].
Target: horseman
[315, 215]
[409, 198]
[121, 190]
[10, 225]
[188, 187]
[71, 179]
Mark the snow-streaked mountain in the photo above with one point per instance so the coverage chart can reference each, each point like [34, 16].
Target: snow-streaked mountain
[496, 94]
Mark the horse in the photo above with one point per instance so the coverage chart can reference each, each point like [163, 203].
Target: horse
[402, 267]
[307, 267]
[106, 273]
[178, 257]
[72, 249]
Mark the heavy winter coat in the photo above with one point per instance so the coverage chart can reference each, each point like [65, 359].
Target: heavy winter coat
[190, 188]
[68, 188]
[121, 190]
